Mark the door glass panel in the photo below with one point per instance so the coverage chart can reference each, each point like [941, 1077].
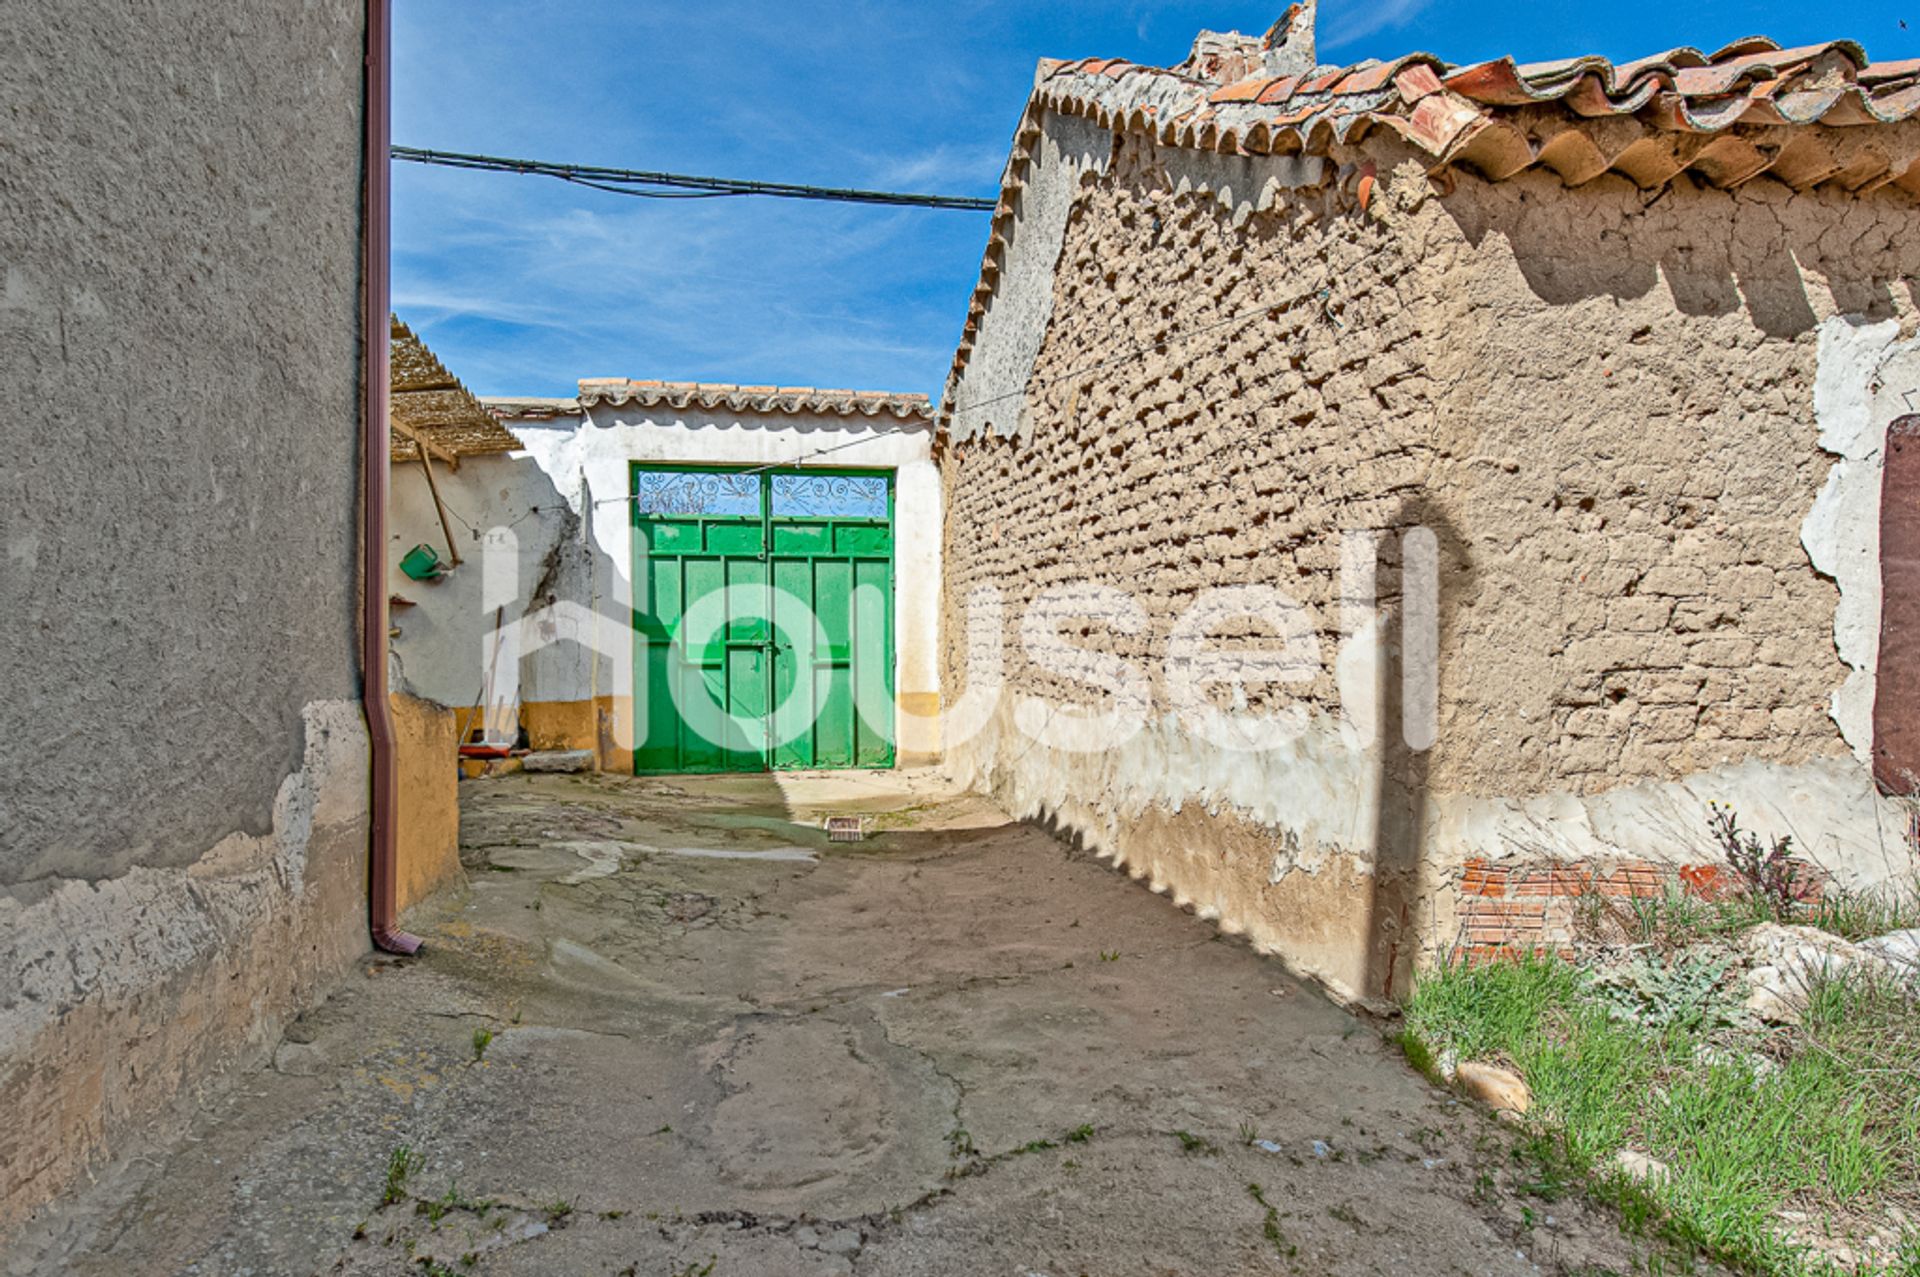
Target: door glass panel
[817, 547]
[657, 492]
[830, 496]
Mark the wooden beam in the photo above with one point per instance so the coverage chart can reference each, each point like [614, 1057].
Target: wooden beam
[426, 463]
[425, 445]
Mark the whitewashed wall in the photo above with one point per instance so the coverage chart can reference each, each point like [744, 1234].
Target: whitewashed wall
[563, 501]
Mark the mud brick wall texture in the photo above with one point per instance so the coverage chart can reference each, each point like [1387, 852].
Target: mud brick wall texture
[1600, 403]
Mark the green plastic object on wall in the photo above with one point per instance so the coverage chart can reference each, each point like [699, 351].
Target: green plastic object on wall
[422, 563]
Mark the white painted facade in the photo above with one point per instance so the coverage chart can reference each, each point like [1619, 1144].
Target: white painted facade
[554, 518]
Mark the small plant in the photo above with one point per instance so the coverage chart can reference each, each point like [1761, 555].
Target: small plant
[1191, 1143]
[1854, 914]
[1109, 955]
[1766, 873]
[401, 1164]
[451, 1200]
[482, 1039]
[559, 1210]
[1685, 992]
[1270, 1225]
[1249, 1134]
[960, 1142]
[1079, 1134]
[1034, 1146]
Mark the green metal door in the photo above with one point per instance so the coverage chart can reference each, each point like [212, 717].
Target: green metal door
[763, 611]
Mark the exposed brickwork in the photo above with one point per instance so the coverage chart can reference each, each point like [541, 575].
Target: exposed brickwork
[1508, 910]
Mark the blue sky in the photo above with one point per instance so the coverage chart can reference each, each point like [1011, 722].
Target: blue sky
[524, 285]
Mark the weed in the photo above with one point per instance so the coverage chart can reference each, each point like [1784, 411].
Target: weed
[1109, 955]
[1854, 914]
[482, 1039]
[960, 1142]
[559, 1210]
[1348, 1216]
[698, 1269]
[1191, 1143]
[1686, 991]
[1034, 1146]
[401, 1164]
[1766, 873]
[1270, 1225]
[1829, 1124]
[1079, 1134]
[1249, 1134]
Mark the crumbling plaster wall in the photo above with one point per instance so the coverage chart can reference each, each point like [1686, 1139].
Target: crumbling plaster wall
[1601, 404]
[447, 635]
[183, 777]
[1867, 377]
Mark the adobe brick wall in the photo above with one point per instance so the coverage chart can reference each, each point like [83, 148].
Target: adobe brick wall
[1601, 403]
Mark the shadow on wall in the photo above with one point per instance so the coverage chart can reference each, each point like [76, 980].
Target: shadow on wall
[1393, 926]
[1611, 239]
[560, 581]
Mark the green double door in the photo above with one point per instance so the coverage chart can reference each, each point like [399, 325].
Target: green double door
[763, 616]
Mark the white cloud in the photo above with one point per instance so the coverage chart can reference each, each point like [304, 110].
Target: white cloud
[1357, 19]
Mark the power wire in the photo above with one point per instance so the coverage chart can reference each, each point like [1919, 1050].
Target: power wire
[681, 186]
[1113, 361]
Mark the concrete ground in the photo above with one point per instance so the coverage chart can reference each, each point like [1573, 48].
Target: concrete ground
[721, 1045]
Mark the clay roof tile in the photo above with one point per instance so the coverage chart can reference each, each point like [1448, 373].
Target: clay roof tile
[1648, 119]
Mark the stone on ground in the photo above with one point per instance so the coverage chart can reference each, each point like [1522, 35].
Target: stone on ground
[1502, 1090]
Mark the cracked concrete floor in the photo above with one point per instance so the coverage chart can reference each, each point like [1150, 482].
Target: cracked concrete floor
[721, 1045]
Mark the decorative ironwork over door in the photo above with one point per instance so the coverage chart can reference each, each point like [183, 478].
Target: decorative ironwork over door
[764, 619]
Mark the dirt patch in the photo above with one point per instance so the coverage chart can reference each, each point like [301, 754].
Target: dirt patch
[952, 1048]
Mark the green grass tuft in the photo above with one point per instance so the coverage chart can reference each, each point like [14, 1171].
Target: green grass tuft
[1832, 1129]
[401, 1165]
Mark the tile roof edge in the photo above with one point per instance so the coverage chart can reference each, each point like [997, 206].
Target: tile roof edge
[1447, 124]
[765, 399]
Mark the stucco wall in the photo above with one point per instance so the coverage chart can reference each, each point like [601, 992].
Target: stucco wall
[182, 764]
[179, 345]
[426, 738]
[562, 504]
[1603, 410]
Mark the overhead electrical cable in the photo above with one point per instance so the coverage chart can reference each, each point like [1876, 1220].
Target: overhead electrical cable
[1161, 343]
[681, 186]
